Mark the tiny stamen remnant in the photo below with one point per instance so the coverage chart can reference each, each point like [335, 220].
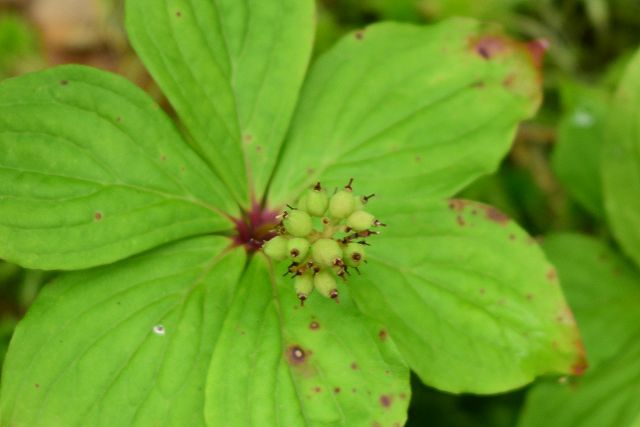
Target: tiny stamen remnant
[320, 255]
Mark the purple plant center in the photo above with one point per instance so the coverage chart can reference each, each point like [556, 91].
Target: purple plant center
[255, 227]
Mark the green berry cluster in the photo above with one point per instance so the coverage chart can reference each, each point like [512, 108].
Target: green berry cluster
[323, 237]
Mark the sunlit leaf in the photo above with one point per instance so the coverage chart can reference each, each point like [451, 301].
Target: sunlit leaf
[411, 111]
[468, 297]
[127, 344]
[92, 171]
[279, 364]
[232, 70]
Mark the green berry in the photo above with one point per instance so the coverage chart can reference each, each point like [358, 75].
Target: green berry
[297, 223]
[354, 254]
[317, 201]
[325, 284]
[342, 204]
[360, 220]
[276, 248]
[302, 203]
[303, 286]
[325, 252]
[298, 248]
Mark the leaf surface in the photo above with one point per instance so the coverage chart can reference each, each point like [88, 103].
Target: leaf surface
[468, 297]
[279, 364]
[578, 153]
[604, 291]
[123, 345]
[621, 163]
[232, 70]
[91, 171]
[412, 111]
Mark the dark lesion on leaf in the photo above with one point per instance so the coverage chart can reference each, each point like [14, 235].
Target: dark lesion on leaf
[296, 355]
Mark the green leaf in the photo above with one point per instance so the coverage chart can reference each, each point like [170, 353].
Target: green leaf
[578, 153]
[91, 171]
[232, 70]
[468, 297]
[621, 163]
[412, 111]
[607, 397]
[604, 291]
[602, 288]
[126, 344]
[279, 364]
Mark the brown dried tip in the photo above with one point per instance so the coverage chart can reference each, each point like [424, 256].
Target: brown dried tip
[348, 186]
[377, 223]
[334, 295]
[295, 252]
[317, 187]
[302, 298]
[365, 199]
[356, 256]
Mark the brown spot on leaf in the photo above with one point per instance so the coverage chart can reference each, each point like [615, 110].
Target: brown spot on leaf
[98, 216]
[296, 355]
[310, 171]
[488, 46]
[536, 50]
[64, 82]
[461, 221]
[178, 14]
[386, 401]
[118, 119]
[580, 365]
[418, 159]
[317, 389]
[402, 396]
[457, 204]
[36, 385]
[163, 157]
[383, 334]
[359, 35]
[482, 291]
[529, 297]
[479, 84]
[376, 424]
[579, 368]
[354, 366]
[552, 275]
[509, 80]
[496, 215]
[512, 236]
[336, 390]
[314, 325]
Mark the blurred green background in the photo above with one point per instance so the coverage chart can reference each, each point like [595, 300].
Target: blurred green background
[590, 41]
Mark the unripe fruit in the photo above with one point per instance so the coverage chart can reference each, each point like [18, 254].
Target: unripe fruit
[298, 248]
[325, 284]
[360, 220]
[298, 223]
[325, 252]
[342, 204]
[317, 202]
[303, 286]
[276, 248]
[302, 203]
[354, 254]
